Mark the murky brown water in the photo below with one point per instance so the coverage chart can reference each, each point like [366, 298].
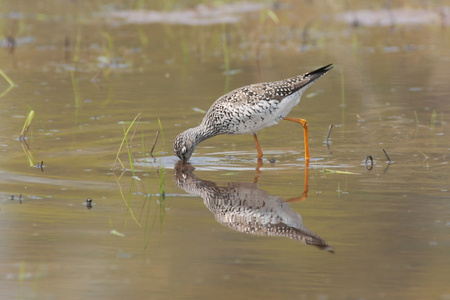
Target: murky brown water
[210, 234]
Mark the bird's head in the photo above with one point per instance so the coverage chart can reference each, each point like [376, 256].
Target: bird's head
[184, 145]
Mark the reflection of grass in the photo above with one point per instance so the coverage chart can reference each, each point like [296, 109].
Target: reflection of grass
[125, 141]
[6, 77]
[433, 119]
[109, 40]
[342, 88]
[268, 13]
[22, 141]
[76, 89]
[328, 171]
[159, 173]
[142, 36]
[6, 91]
[226, 55]
[417, 118]
[424, 155]
[141, 182]
[9, 80]
[27, 152]
[76, 56]
[24, 275]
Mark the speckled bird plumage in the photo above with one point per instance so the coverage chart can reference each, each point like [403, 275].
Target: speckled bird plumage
[247, 110]
[246, 208]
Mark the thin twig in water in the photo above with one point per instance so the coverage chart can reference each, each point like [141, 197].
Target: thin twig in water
[328, 137]
[96, 77]
[154, 144]
[329, 132]
[387, 156]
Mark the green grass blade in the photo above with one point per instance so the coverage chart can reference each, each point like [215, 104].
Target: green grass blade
[328, 171]
[130, 156]
[27, 123]
[124, 138]
[6, 77]
[433, 119]
[6, 91]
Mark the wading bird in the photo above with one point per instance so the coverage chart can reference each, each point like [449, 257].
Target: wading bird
[249, 109]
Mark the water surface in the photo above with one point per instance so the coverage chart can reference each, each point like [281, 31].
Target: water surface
[87, 77]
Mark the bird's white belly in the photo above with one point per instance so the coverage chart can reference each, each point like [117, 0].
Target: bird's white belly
[265, 114]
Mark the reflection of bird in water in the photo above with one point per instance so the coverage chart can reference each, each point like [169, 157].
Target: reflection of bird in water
[246, 208]
[249, 109]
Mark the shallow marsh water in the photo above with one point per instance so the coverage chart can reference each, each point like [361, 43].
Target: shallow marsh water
[87, 76]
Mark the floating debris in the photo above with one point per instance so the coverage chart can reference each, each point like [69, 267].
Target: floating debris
[199, 110]
[116, 233]
[88, 203]
[369, 157]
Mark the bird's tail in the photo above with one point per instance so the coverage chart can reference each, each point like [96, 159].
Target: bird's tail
[319, 72]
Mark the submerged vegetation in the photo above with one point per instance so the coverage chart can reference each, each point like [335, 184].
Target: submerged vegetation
[9, 81]
[141, 182]
[22, 139]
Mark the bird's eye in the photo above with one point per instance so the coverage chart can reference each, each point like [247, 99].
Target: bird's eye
[183, 150]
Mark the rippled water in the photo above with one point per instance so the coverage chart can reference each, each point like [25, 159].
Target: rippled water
[230, 228]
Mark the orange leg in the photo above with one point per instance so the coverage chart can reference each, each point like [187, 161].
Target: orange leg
[258, 170]
[306, 187]
[305, 133]
[258, 147]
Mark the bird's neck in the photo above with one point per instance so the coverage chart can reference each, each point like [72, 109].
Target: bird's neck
[203, 132]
